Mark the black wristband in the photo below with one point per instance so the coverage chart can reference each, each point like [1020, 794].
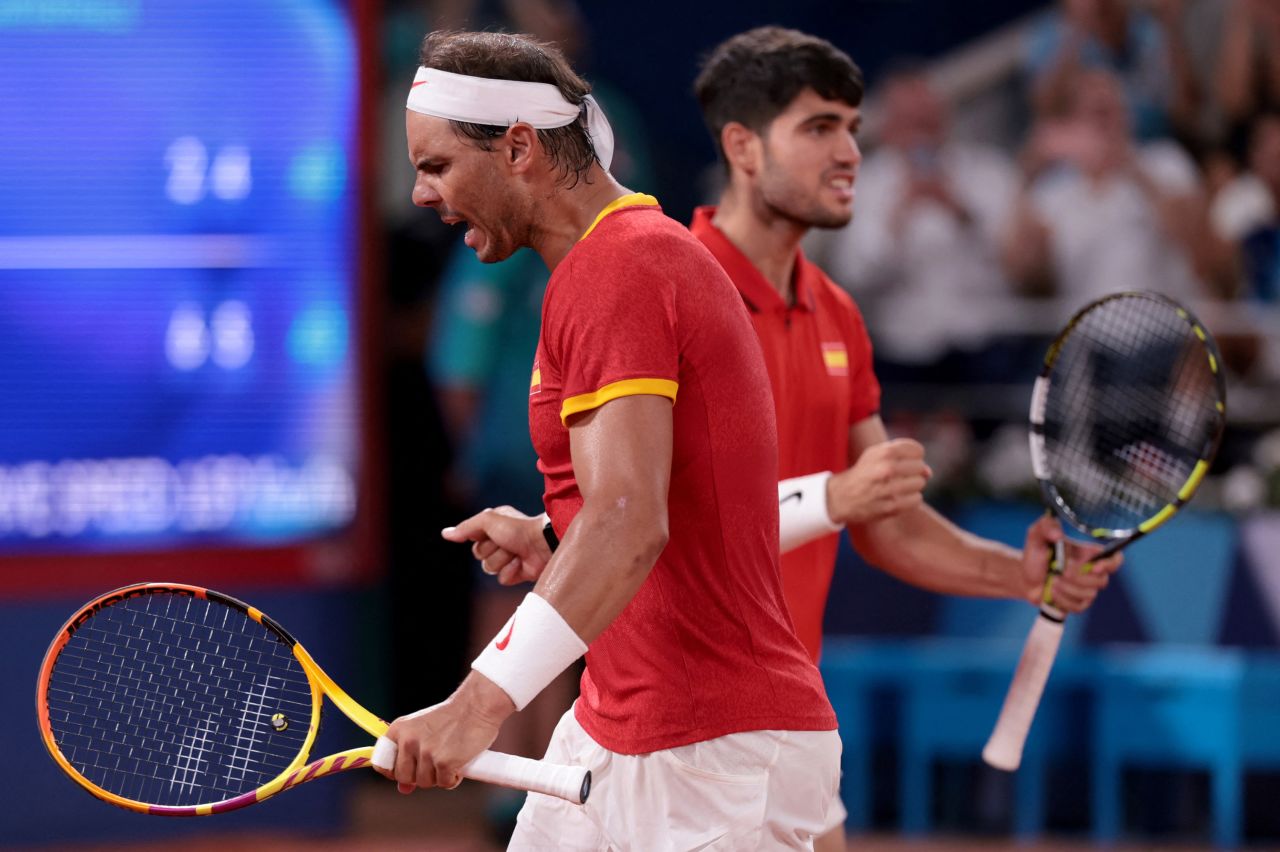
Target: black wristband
[549, 533]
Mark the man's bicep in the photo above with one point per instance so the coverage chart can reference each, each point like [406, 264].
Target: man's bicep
[622, 449]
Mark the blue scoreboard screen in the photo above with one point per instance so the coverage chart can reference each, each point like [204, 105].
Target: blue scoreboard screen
[178, 274]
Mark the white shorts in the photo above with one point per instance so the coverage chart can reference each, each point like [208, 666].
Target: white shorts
[836, 815]
[747, 791]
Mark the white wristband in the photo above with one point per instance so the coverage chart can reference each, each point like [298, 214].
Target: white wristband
[802, 510]
[530, 650]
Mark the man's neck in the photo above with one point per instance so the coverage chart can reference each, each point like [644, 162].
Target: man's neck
[768, 240]
[564, 215]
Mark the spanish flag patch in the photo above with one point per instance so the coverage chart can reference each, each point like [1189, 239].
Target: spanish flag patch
[535, 381]
[836, 358]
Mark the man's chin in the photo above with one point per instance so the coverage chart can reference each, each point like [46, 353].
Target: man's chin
[831, 221]
[488, 253]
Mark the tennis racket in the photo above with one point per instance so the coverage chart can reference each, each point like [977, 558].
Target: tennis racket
[180, 701]
[1126, 417]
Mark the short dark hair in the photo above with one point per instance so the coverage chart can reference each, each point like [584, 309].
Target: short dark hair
[752, 77]
[509, 56]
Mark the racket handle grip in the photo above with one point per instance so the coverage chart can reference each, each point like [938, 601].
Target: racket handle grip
[1004, 749]
[572, 783]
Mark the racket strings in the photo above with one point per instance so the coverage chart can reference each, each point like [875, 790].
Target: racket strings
[1131, 409]
[173, 700]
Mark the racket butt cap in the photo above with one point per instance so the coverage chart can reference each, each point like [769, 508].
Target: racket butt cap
[1002, 755]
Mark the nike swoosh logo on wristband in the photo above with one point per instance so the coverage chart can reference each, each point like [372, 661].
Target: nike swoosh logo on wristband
[501, 644]
[798, 495]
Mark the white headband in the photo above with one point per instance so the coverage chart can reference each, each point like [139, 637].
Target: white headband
[481, 100]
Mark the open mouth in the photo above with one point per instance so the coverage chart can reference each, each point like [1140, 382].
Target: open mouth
[472, 236]
[842, 185]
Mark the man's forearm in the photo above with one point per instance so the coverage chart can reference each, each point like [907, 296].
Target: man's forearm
[603, 559]
[924, 549]
[608, 552]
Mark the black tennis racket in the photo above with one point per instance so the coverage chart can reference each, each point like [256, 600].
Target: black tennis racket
[176, 700]
[1126, 416]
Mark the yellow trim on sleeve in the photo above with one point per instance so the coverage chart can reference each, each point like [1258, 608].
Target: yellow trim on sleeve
[635, 199]
[627, 387]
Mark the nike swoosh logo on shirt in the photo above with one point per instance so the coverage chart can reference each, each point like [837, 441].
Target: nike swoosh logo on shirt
[501, 644]
[798, 495]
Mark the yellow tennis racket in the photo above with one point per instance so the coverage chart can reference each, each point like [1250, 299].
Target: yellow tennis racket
[179, 701]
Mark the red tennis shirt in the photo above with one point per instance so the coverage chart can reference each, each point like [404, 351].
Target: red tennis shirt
[818, 356]
[706, 647]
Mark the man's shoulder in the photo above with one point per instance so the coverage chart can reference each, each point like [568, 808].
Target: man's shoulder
[638, 226]
[635, 247]
[647, 240]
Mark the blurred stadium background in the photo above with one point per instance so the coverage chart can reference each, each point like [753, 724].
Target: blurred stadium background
[233, 353]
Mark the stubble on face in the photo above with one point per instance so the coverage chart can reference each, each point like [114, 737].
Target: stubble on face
[796, 197]
[493, 208]
[464, 182]
[809, 162]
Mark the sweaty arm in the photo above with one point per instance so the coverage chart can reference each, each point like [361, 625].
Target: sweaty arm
[621, 456]
[919, 546]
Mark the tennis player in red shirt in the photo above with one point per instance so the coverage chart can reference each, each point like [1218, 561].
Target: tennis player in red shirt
[701, 716]
[783, 108]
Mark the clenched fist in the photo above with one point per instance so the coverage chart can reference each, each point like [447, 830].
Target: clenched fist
[888, 478]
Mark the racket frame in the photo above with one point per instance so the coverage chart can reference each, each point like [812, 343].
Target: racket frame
[1004, 748]
[567, 782]
[1119, 539]
[295, 773]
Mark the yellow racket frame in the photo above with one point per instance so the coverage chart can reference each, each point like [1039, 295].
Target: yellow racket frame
[297, 772]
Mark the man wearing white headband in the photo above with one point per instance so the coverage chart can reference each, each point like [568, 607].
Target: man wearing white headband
[702, 718]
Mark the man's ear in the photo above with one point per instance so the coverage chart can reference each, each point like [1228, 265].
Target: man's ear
[521, 144]
[743, 147]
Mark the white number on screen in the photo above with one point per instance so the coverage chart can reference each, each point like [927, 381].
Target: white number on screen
[191, 177]
[226, 337]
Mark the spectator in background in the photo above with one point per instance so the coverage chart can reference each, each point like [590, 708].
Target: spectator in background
[1248, 72]
[1102, 212]
[1146, 50]
[414, 433]
[486, 323]
[924, 247]
[1247, 212]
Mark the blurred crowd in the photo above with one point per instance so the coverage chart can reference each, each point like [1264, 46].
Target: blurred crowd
[1148, 158]
[1145, 154]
